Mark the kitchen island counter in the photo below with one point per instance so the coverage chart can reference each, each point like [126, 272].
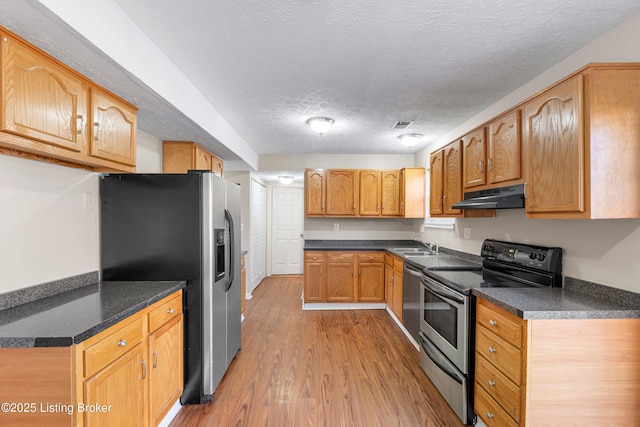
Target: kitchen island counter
[71, 317]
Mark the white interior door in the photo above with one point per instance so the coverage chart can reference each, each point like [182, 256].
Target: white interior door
[287, 219]
[258, 250]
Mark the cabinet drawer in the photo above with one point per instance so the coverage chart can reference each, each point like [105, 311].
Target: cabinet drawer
[500, 325]
[388, 259]
[165, 312]
[339, 257]
[371, 257]
[500, 353]
[313, 256]
[498, 386]
[112, 346]
[490, 412]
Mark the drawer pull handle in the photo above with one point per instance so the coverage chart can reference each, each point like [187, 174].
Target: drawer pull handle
[493, 322]
[492, 383]
[144, 369]
[340, 257]
[122, 343]
[170, 311]
[314, 258]
[370, 257]
[492, 350]
[490, 415]
[155, 359]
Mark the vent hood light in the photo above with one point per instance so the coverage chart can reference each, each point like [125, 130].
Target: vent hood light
[320, 124]
[410, 139]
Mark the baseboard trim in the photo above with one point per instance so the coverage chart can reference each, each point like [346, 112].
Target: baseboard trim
[344, 306]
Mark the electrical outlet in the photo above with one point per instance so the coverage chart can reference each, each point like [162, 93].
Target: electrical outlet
[336, 227]
[467, 233]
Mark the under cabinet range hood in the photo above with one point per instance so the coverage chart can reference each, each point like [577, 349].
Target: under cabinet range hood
[511, 197]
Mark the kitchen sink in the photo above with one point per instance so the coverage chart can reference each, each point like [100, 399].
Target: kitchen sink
[408, 249]
[417, 254]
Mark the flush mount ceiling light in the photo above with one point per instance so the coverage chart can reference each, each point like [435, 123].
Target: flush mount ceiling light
[285, 179]
[320, 124]
[410, 139]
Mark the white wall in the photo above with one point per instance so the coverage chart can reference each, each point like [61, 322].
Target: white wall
[601, 251]
[46, 233]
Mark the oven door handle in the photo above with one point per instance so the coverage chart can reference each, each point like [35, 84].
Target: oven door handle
[440, 361]
[412, 271]
[441, 291]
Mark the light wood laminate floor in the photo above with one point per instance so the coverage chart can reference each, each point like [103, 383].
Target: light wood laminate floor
[319, 368]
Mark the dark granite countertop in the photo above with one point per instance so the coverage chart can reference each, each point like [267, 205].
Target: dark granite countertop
[558, 303]
[71, 317]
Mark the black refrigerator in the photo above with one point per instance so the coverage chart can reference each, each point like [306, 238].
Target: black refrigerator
[181, 227]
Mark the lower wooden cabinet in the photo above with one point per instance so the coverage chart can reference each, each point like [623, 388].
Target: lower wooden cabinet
[119, 388]
[130, 374]
[335, 276]
[393, 276]
[555, 371]
[134, 369]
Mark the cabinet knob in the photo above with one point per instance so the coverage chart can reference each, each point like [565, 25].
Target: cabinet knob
[492, 350]
[492, 383]
[170, 311]
[122, 343]
[493, 322]
[340, 257]
[370, 257]
[490, 415]
[314, 258]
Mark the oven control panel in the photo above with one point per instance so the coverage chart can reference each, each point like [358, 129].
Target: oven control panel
[537, 257]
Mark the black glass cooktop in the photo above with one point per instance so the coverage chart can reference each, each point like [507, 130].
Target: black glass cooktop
[465, 281]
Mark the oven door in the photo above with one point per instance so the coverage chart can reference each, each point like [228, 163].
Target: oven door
[445, 321]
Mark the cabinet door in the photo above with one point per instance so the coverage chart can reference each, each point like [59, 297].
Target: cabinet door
[121, 387]
[474, 153]
[398, 276]
[370, 192]
[390, 193]
[41, 99]
[371, 276]
[554, 142]
[388, 285]
[217, 165]
[113, 130]
[436, 188]
[340, 282]
[342, 192]
[202, 158]
[314, 192]
[314, 278]
[165, 372]
[452, 176]
[504, 154]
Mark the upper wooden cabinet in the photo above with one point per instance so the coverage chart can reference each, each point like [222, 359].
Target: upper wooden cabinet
[391, 193]
[370, 192]
[581, 145]
[181, 156]
[504, 149]
[474, 159]
[412, 192]
[50, 112]
[452, 178]
[436, 204]
[314, 191]
[365, 192]
[342, 192]
[113, 128]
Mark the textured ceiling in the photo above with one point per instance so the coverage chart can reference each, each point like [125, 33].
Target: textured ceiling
[269, 65]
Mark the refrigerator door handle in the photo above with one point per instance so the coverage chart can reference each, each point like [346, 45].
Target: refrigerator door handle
[229, 219]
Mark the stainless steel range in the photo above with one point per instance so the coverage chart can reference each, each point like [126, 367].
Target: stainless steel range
[447, 323]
